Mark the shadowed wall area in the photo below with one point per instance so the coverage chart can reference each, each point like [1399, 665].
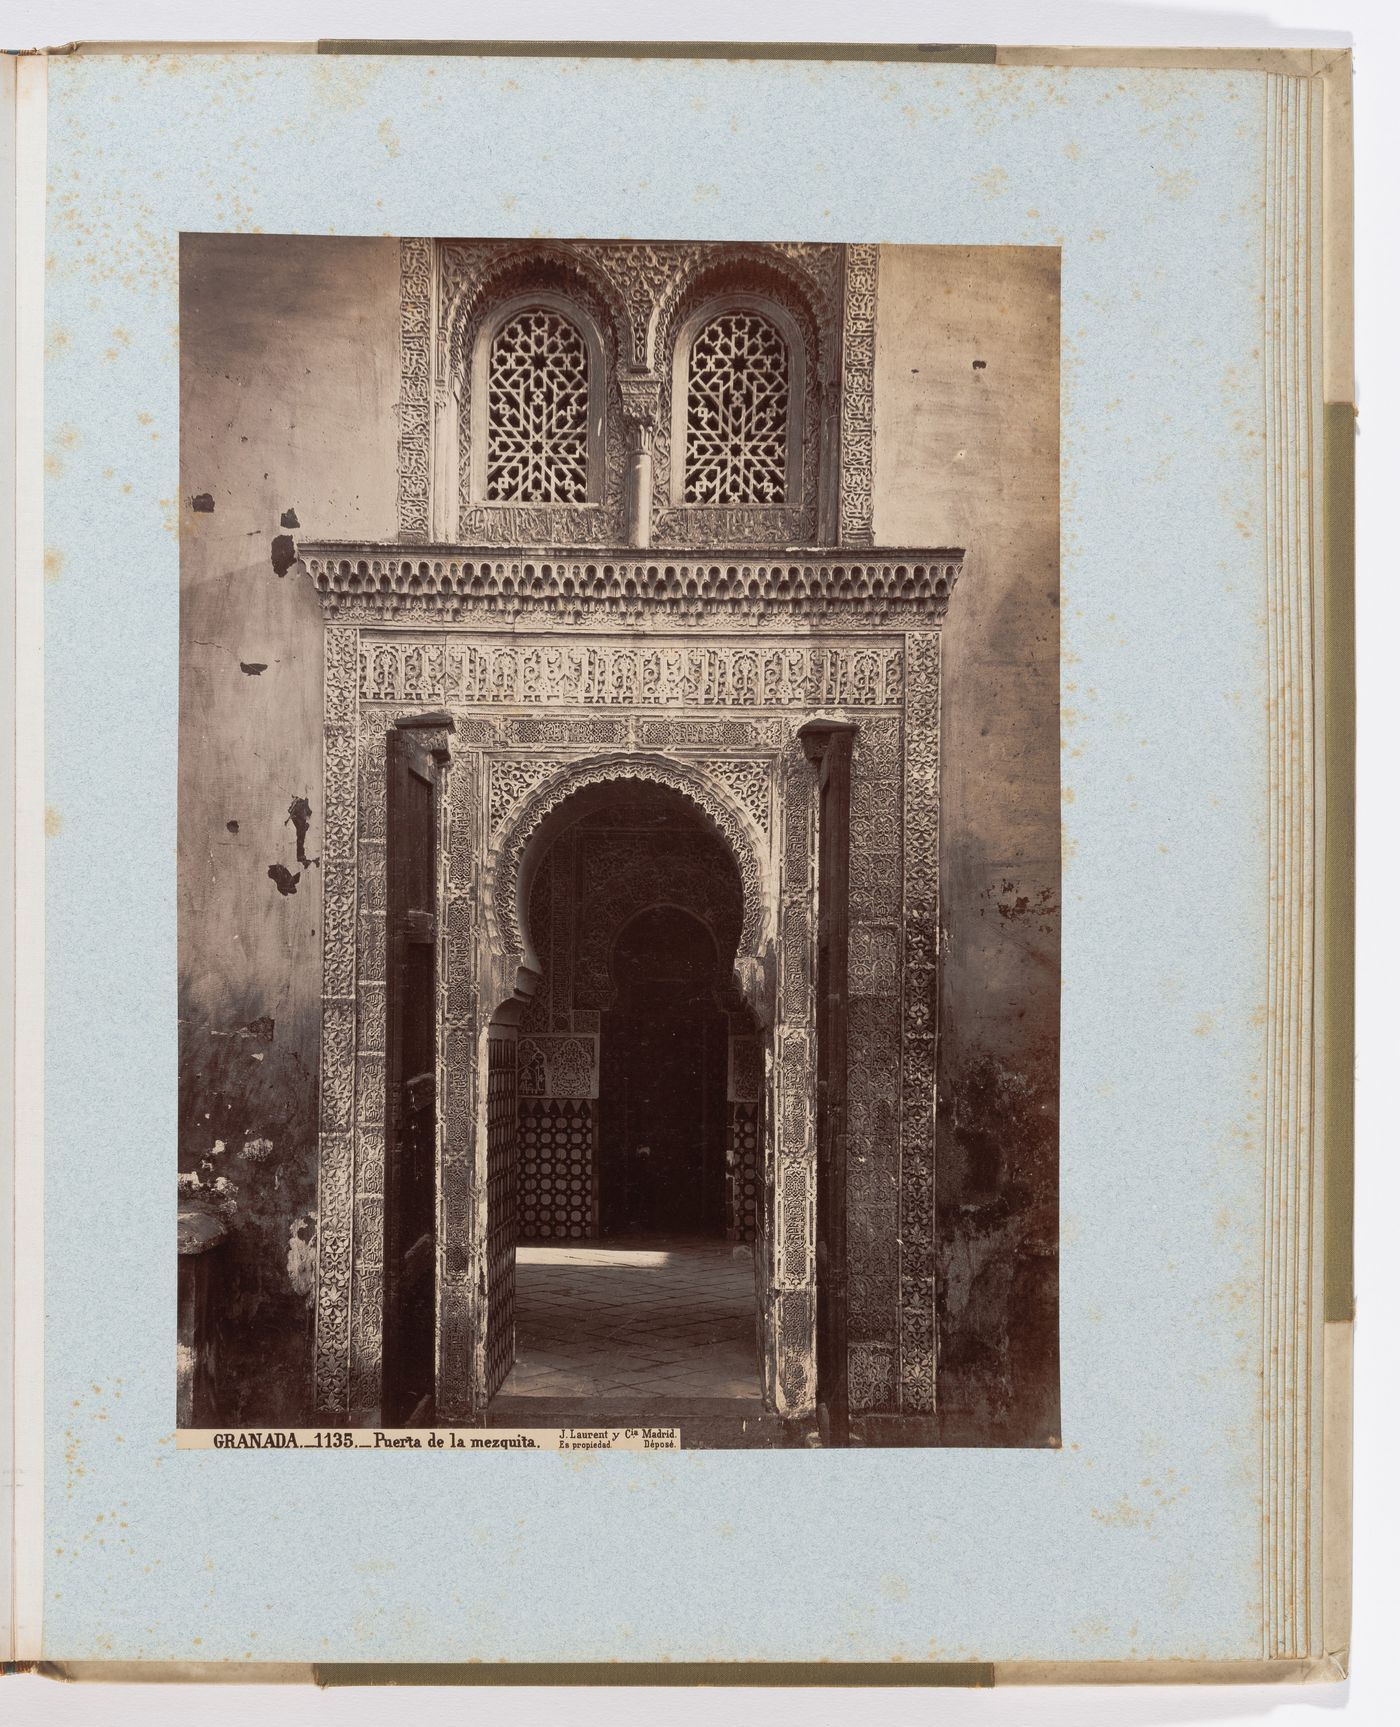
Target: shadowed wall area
[289, 372]
[967, 451]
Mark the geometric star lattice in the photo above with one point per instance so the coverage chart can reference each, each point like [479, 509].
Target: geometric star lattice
[737, 413]
[537, 412]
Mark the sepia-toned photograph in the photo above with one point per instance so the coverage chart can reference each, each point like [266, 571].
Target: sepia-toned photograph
[619, 838]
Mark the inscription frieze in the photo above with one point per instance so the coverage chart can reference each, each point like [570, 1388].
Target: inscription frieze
[485, 671]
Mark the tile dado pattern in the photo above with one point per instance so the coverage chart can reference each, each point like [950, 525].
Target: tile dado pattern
[743, 764]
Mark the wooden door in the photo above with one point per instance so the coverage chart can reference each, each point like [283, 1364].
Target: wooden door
[828, 745]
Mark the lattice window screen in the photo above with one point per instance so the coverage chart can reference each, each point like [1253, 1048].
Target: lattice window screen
[537, 411]
[737, 409]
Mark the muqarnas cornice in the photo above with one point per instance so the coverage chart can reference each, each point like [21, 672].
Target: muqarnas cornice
[451, 584]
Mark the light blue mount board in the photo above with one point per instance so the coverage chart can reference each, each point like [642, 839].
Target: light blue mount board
[1152, 183]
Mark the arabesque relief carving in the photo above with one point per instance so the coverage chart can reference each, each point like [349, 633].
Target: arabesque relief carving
[566, 658]
[509, 771]
[636, 297]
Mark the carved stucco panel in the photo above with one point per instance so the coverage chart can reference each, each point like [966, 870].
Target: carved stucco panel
[415, 390]
[336, 1160]
[894, 915]
[636, 295]
[794, 1117]
[858, 396]
[917, 1363]
[874, 985]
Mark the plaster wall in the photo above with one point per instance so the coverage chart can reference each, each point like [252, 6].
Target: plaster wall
[967, 454]
[289, 353]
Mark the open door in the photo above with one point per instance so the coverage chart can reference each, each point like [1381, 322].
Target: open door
[410, 1116]
[828, 746]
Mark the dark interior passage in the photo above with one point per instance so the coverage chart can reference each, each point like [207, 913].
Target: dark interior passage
[662, 1083]
[640, 1067]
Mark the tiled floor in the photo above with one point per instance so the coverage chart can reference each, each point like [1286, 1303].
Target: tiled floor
[635, 1321]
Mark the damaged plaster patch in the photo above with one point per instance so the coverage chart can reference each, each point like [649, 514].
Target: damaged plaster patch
[284, 553]
[260, 1030]
[299, 815]
[203, 504]
[289, 519]
[254, 668]
[232, 827]
[286, 881]
[301, 1255]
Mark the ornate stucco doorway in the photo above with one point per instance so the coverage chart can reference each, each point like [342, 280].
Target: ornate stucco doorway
[521, 731]
[635, 549]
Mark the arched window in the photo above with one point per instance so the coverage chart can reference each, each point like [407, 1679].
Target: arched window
[738, 412]
[537, 410]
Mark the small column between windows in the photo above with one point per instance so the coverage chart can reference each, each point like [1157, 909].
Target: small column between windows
[641, 408]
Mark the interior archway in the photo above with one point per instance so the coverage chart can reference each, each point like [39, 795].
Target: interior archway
[563, 801]
[637, 1177]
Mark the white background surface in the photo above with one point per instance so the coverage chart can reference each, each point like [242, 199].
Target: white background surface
[1373, 1695]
